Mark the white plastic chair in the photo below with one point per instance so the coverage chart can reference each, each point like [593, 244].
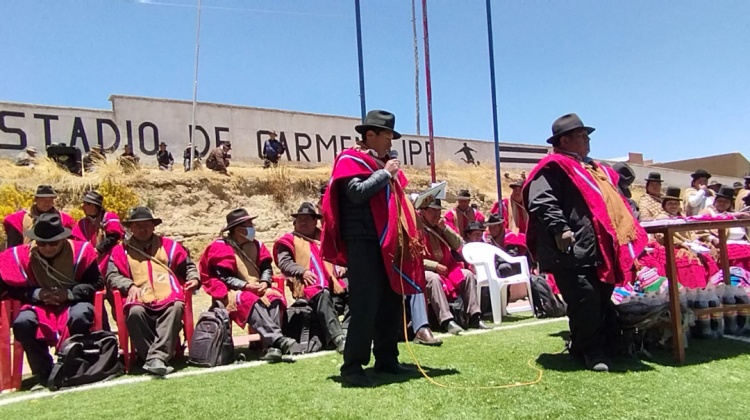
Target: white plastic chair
[482, 257]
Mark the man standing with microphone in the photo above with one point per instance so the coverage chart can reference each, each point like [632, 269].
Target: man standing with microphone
[369, 226]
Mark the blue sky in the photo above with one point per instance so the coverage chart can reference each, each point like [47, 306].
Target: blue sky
[667, 78]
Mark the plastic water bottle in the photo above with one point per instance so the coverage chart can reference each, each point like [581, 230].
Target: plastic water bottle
[702, 326]
[717, 318]
[743, 315]
[730, 318]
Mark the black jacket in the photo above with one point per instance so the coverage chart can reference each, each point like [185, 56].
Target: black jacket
[555, 205]
[355, 214]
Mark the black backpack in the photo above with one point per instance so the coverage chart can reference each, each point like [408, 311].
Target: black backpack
[211, 344]
[458, 312]
[84, 359]
[301, 325]
[546, 303]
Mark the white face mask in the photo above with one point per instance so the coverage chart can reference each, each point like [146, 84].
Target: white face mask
[250, 233]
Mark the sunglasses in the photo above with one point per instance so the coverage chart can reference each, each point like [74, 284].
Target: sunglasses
[42, 244]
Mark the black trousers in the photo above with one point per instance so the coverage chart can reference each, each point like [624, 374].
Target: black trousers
[325, 312]
[375, 309]
[590, 310]
[80, 320]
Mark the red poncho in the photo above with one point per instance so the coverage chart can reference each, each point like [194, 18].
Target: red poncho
[84, 230]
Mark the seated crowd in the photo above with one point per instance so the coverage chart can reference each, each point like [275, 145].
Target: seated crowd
[54, 266]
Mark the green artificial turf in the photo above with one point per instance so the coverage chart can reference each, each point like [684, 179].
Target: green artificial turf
[713, 384]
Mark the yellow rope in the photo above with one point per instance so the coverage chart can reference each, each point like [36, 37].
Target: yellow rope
[414, 357]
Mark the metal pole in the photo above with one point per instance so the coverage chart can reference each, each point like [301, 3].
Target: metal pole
[416, 59]
[195, 86]
[429, 88]
[494, 103]
[361, 61]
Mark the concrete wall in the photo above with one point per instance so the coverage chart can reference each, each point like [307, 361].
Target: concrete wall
[672, 177]
[312, 139]
[730, 164]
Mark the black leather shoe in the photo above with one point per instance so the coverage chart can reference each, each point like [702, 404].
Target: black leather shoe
[424, 336]
[478, 324]
[357, 379]
[394, 368]
[272, 355]
[452, 328]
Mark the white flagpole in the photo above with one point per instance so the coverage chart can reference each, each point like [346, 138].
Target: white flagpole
[195, 86]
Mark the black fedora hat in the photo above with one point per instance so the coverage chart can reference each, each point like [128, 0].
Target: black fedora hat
[473, 226]
[726, 191]
[237, 217]
[48, 228]
[672, 194]
[228, 144]
[141, 214]
[435, 204]
[464, 195]
[700, 173]
[567, 123]
[654, 176]
[45, 191]
[494, 219]
[626, 173]
[380, 120]
[517, 183]
[308, 209]
[93, 197]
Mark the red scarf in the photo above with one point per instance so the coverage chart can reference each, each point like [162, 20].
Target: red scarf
[617, 258]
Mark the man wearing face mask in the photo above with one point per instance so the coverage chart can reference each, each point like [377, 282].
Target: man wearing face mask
[369, 226]
[297, 255]
[582, 230]
[55, 278]
[236, 270]
[100, 228]
[17, 223]
[150, 272]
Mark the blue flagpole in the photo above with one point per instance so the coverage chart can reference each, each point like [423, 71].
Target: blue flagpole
[361, 61]
[494, 102]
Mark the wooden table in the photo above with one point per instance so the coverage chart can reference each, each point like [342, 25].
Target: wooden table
[668, 230]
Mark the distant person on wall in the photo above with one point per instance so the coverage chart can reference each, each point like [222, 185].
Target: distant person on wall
[16, 224]
[128, 159]
[164, 158]
[93, 158]
[466, 150]
[218, 159]
[459, 217]
[582, 231]
[272, 151]
[26, 158]
[186, 158]
[697, 197]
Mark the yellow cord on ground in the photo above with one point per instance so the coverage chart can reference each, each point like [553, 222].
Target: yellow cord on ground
[414, 357]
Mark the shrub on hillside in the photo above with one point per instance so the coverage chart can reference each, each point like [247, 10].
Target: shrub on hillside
[118, 198]
[12, 200]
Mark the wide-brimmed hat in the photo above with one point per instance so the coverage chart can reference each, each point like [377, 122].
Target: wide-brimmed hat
[714, 185]
[308, 209]
[228, 144]
[31, 149]
[517, 183]
[738, 185]
[473, 226]
[727, 192]
[565, 124]
[435, 204]
[627, 176]
[463, 195]
[654, 176]
[141, 214]
[45, 191]
[93, 197]
[380, 120]
[700, 173]
[672, 194]
[48, 228]
[494, 219]
[747, 176]
[237, 217]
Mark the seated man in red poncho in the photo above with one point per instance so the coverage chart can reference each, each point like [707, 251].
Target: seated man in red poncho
[17, 223]
[514, 214]
[100, 228]
[446, 279]
[56, 279]
[150, 272]
[458, 218]
[236, 270]
[297, 255]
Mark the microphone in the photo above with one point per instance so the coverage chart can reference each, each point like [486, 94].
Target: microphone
[393, 154]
